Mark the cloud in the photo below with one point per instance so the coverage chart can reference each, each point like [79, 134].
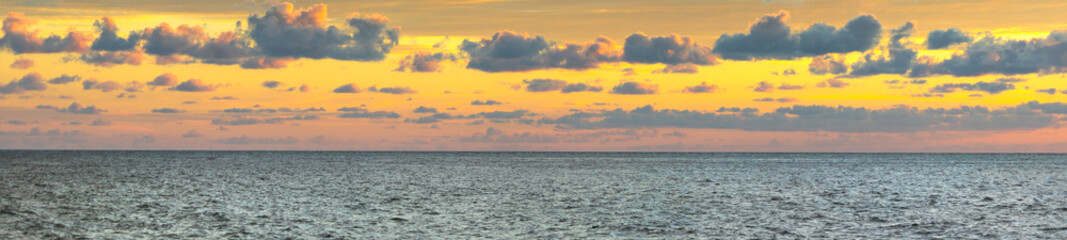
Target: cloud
[239, 121]
[764, 87]
[272, 84]
[671, 49]
[1050, 91]
[359, 112]
[266, 63]
[164, 80]
[702, 88]
[192, 134]
[109, 39]
[939, 39]
[780, 100]
[392, 90]
[164, 40]
[989, 87]
[100, 122]
[424, 62]
[22, 63]
[833, 83]
[347, 88]
[64, 79]
[110, 59]
[167, 110]
[679, 68]
[19, 38]
[992, 55]
[828, 64]
[900, 57]
[786, 86]
[509, 51]
[819, 118]
[224, 98]
[423, 109]
[488, 102]
[283, 32]
[243, 140]
[544, 85]
[503, 114]
[194, 85]
[29, 82]
[493, 135]
[76, 108]
[580, 87]
[771, 38]
[635, 88]
[225, 49]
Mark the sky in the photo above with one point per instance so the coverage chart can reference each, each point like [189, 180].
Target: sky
[523, 75]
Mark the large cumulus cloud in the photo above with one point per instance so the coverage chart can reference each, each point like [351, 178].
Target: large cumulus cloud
[509, 51]
[770, 37]
[938, 39]
[20, 39]
[671, 49]
[285, 32]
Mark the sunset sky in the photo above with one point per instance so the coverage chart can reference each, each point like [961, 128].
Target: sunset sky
[517, 75]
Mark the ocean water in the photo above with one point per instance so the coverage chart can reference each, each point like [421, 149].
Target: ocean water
[387, 195]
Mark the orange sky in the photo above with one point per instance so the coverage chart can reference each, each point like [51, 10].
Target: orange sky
[592, 76]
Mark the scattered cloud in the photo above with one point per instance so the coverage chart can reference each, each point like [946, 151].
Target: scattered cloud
[635, 88]
[770, 37]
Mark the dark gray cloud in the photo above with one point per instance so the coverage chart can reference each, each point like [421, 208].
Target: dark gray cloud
[493, 135]
[253, 140]
[392, 90]
[164, 80]
[109, 59]
[544, 85]
[635, 88]
[509, 51]
[348, 88]
[833, 83]
[989, 87]
[164, 40]
[22, 63]
[672, 49]
[424, 62]
[938, 39]
[779, 100]
[679, 68]
[580, 87]
[229, 48]
[283, 32]
[167, 110]
[100, 122]
[239, 121]
[786, 86]
[359, 112]
[702, 88]
[192, 134]
[20, 39]
[265, 63]
[900, 57]
[29, 82]
[821, 118]
[75, 108]
[423, 109]
[272, 84]
[486, 102]
[194, 85]
[763, 87]
[1050, 91]
[109, 39]
[771, 38]
[64, 79]
[992, 55]
[828, 64]
[504, 114]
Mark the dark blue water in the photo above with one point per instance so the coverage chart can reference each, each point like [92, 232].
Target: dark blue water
[376, 195]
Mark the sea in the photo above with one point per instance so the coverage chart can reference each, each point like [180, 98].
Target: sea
[529, 195]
